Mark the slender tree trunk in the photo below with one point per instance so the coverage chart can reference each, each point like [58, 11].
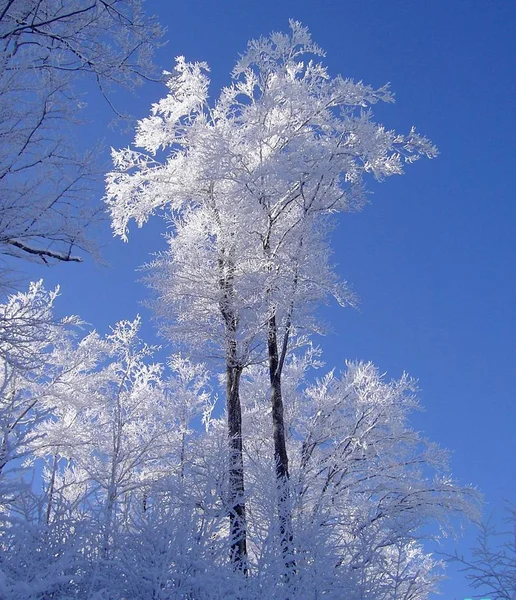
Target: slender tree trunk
[276, 356]
[112, 489]
[280, 446]
[51, 489]
[237, 516]
[109, 518]
[3, 452]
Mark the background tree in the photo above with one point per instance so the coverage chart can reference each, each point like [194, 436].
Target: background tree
[51, 52]
[492, 566]
[28, 331]
[108, 456]
[364, 486]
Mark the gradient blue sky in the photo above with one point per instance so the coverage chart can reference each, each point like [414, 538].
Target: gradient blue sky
[432, 256]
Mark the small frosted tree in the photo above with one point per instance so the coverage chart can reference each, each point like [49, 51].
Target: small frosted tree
[111, 422]
[248, 181]
[28, 330]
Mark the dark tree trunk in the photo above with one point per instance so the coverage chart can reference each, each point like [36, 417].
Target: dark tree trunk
[280, 446]
[236, 496]
[237, 518]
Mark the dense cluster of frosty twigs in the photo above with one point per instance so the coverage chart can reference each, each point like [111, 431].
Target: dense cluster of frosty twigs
[110, 487]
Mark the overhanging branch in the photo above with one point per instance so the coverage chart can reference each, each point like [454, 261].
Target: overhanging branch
[44, 253]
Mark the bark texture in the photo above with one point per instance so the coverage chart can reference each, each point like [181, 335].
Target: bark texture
[237, 517]
[236, 492]
[280, 446]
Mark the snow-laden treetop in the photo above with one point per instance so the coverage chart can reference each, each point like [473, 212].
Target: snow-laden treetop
[283, 131]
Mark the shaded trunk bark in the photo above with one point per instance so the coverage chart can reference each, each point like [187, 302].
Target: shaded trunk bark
[280, 446]
[236, 497]
[276, 357]
[237, 516]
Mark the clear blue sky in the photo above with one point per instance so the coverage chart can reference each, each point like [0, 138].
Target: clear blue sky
[432, 257]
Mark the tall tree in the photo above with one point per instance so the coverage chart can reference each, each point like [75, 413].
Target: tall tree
[50, 52]
[249, 180]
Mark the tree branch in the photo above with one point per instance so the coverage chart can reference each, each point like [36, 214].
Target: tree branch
[43, 253]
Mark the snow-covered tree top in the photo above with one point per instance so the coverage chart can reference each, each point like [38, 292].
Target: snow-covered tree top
[283, 129]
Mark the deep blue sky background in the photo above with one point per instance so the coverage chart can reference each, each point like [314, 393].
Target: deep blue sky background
[432, 258]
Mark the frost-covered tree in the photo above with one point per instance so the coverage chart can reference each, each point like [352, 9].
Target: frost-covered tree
[28, 330]
[111, 454]
[364, 486]
[111, 420]
[248, 181]
[131, 484]
[51, 52]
